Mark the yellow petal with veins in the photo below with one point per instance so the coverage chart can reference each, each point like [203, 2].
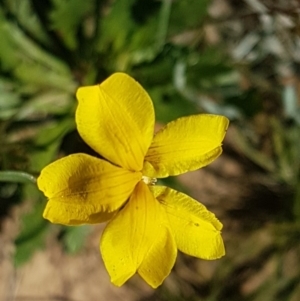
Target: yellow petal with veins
[116, 119]
[138, 239]
[83, 189]
[185, 144]
[160, 259]
[196, 230]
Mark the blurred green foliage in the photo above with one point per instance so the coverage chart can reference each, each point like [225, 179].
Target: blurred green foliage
[237, 58]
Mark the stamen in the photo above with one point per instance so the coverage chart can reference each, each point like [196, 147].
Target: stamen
[149, 181]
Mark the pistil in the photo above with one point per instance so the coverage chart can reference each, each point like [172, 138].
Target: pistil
[149, 181]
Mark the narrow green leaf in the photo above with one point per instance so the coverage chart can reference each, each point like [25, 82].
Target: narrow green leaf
[24, 13]
[187, 14]
[54, 132]
[33, 228]
[47, 103]
[74, 238]
[66, 18]
[21, 47]
[163, 23]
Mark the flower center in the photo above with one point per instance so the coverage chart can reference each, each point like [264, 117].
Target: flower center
[149, 181]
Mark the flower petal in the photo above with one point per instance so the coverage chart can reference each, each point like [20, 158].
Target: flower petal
[196, 230]
[84, 189]
[160, 259]
[137, 239]
[116, 119]
[185, 144]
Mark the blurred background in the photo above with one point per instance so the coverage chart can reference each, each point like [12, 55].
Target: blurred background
[238, 58]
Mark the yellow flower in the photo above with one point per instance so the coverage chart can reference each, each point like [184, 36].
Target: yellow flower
[147, 223]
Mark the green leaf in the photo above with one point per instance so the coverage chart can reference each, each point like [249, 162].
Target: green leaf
[17, 48]
[66, 17]
[43, 78]
[33, 228]
[150, 37]
[8, 55]
[169, 105]
[24, 13]
[156, 73]
[74, 238]
[290, 101]
[116, 27]
[187, 14]
[209, 68]
[54, 132]
[9, 98]
[9, 190]
[143, 46]
[47, 103]
[39, 158]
